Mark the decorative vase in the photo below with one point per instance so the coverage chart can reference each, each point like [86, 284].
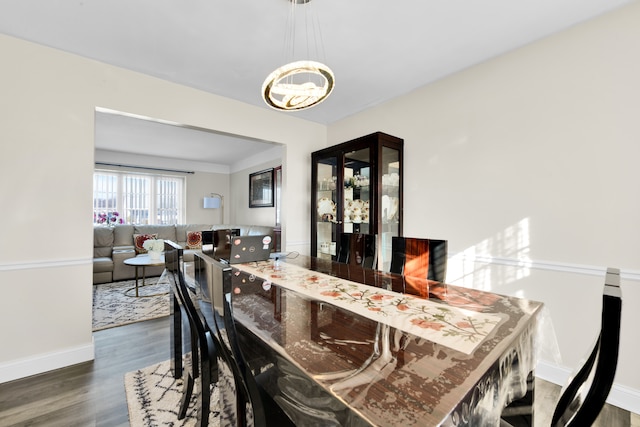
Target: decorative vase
[155, 254]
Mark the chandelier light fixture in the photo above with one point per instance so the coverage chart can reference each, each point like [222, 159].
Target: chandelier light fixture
[299, 84]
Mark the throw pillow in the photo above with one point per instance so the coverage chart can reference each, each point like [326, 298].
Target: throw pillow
[194, 240]
[139, 239]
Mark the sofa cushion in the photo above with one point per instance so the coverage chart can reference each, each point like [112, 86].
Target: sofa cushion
[194, 240]
[243, 229]
[102, 241]
[102, 252]
[183, 229]
[139, 239]
[122, 235]
[260, 230]
[104, 277]
[247, 230]
[164, 232]
[102, 264]
[102, 236]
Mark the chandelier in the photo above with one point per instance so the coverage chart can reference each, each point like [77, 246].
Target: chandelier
[300, 84]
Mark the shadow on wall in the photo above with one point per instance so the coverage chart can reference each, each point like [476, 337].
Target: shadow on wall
[465, 268]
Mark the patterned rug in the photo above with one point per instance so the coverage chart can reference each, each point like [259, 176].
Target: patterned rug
[153, 397]
[111, 307]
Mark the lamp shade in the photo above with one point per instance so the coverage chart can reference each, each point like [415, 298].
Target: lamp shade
[212, 202]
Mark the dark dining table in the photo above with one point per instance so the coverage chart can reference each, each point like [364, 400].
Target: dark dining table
[360, 347]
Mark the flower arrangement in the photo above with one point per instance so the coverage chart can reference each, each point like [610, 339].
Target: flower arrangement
[154, 245]
[108, 218]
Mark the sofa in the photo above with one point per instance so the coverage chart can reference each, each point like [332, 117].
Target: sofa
[114, 244]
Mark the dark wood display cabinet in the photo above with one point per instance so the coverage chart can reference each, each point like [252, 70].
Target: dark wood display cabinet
[356, 187]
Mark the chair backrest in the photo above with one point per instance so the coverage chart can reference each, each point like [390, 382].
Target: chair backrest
[247, 392]
[203, 353]
[578, 406]
[217, 243]
[357, 249]
[423, 258]
[222, 243]
[208, 243]
[438, 253]
[172, 255]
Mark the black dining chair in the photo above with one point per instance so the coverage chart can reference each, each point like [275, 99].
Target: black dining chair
[357, 249]
[186, 322]
[208, 242]
[252, 401]
[218, 242]
[222, 242]
[578, 406]
[423, 258]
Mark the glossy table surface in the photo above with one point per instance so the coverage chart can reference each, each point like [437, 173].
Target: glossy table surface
[144, 260]
[345, 359]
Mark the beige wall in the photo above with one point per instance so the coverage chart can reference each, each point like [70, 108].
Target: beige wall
[46, 165]
[528, 165]
[202, 184]
[242, 214]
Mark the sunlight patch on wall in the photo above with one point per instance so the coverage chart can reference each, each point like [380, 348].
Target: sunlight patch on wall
[474, 266]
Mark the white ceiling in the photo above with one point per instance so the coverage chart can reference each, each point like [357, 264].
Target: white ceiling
[135, 135]
[378, 49]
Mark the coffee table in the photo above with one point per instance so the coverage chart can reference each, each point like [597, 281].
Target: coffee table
[143, 261]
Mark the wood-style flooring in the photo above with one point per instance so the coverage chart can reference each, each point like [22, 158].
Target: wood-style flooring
[92, 393]
[547, 395]
[87, 394]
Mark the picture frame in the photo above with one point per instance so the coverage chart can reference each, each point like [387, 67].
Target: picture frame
[261, 189]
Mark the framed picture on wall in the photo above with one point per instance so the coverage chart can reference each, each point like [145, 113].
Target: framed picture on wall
[261, 189]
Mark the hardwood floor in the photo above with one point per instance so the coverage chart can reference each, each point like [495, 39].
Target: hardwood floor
[92, 394]
[547, 395]
[88, 394]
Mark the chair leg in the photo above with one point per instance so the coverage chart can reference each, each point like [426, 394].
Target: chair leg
[186, 395]
[190, 375]
[195, 354]
[205, 393]
[570, 393]
[176, 337]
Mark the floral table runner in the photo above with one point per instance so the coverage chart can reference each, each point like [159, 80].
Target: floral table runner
[459, 329]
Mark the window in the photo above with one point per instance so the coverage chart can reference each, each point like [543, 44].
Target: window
[136, 198]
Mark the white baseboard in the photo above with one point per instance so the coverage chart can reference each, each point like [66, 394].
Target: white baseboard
[46, 362]
[621, 396]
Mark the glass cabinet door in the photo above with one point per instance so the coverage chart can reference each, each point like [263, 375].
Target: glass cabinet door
[357, 192]
[390, 204]
[326, 212]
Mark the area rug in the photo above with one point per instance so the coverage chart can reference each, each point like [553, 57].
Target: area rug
[153, 397]
[111, 307]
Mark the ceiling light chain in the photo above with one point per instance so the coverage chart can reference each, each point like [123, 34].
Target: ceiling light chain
[300, 84]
